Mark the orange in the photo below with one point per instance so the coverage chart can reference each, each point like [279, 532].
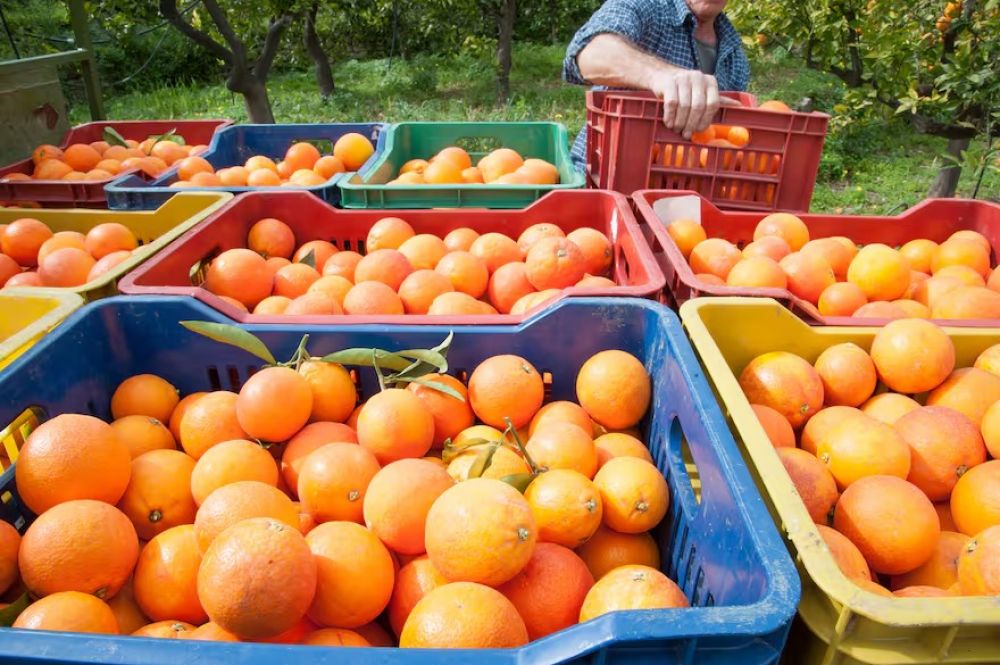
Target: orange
[370, 298]
[209, 420]
[686, 234]
[496, 250]
[310, 438]
[812, 480]
[294, 280]
[969, 390]
[975, 499]
[550, 591]
[342, 264]
[968, 302]
[912, 355]
[563, 445]
[328, 166]
[50, 169]
[301, 155]
[327, 287]
[127, 613]
[263, 177]
[261, 163]
[240, 274]
[993, 282]
[499, 163]
[965, 274]
[271, 237]
[889, 407]
[398, 499]
[45, 151]
[597, 250]
[919, 253]
[614, 388]
[774, 105]
[608, 549]
[333, 390]
[81, 157]
[321, 251]
[335, 637]
[933, 291]
[480, 530]
[23, 238]
[159, 492]
[562, 411]
[108, 263]
[414, 165]
[423, 251]
[533, 301]
[881, 272]
[837, 254]
[234, 176]
[860, 447]
[274, 404]
[880, 309]
[230, 462]
[540, 172]
[60, 240]
[388, 233]
[354, 577]
[808, 276]
[757, 272]
[771, 247]
[206, 180]
[566, 506]
[65, 267]
[420, 288]
[169, 629]
[249, 604]
[968, 234]
[921, 592]
[979, 564]
[507, 285]
[463, 615]
[505, 386]
[848, 374]
[554, 263]
[714, 256]
[846, 555]
[272, 305]
[537, 232]
[776, 426]
[823, 422]
[314, 304]
[891, 522]
[388, 266]
[240, 501]
[8, 268]
[786, 226]
[178, 413]
[211, 632]
[450, 415]
[10, 541]
[145, 395]
[941, 570]
[414, 581]
[963, 252]
[468, 273]
[784, 382]
[634, 494]
[631, 588]
[333, 479]
[166, 576]
[109, 166]
[188, 167]
[71, 457]
[353, 150]
[504, 462]
[81, 545]
[616, 444]
[460, 239]
[69, 611]
[395, 424]
[455, 155]
[913, 309]
[990, 427]
[943, 509]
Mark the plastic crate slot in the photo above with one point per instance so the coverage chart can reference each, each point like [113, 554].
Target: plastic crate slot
[547, 385]
[14, 435]
[6, 497]
[462, 375]
[92, 409]
[477, 146]
[233, 374]
[214, 381]
[699, 586]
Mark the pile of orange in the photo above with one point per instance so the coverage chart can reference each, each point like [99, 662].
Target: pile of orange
[403, 272]
[906, 474]
[955, 279]
[453, 166]
[32, 255]
[302, 166]
[392, 522]
[101, 161]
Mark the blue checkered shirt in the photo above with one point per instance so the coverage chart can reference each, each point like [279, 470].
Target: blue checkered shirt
[664, 28]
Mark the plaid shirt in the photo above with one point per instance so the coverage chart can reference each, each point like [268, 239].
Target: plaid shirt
[664, 28]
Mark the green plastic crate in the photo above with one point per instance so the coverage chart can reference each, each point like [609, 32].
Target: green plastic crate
[421, 140]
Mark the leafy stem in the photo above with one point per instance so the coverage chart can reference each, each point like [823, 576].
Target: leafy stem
[512, 431]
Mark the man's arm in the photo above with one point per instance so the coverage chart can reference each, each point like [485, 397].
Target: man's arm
[690, 98]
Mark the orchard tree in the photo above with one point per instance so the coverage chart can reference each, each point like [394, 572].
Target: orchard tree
[934, 62]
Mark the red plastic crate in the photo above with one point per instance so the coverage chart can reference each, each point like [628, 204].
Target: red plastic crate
[629, 148]
[176, 269]
[934, 219]
[90, 194]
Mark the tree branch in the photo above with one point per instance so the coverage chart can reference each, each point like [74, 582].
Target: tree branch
[225, 29]
[168, 8]
[275, 30]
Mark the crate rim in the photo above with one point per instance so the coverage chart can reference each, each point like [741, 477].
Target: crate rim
[66, 303]
[796, 523]
[649, 96]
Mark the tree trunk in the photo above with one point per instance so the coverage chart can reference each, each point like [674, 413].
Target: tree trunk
[946, 182]
[324, 75]
[505, 45]
[257, 103]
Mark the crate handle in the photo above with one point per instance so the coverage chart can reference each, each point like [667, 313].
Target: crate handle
[684, 468]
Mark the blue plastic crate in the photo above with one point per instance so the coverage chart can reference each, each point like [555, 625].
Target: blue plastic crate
[232, 147]
[718, 541]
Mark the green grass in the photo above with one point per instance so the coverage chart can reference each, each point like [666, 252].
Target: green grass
[876, 167]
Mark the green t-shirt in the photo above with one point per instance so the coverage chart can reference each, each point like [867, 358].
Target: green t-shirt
[707, 56]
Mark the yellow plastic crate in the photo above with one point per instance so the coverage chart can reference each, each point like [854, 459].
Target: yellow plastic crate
[153, 228]
[27, 314]
[843, 625]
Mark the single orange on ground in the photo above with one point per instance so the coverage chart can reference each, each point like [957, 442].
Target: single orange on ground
[912, 355]
[463, 615]
[631, 588]
[166, 576]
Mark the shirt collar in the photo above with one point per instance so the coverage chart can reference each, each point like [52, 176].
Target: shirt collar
[681, 12]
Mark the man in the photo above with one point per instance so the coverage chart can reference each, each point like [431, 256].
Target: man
[684, 51]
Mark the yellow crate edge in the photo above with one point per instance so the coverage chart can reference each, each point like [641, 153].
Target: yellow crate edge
[815, 556]
[67, 303]
[106, 284]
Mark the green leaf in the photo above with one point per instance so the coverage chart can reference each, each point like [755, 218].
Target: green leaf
[441, 387]
[427, 356]
[519, 481]
[232, 335]
[112, 137]
[361, 357]
[10, 613]
[483, 461]
[451, 451]
[171, 136]
[309, 259]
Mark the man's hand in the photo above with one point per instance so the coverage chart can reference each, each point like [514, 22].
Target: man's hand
[690, 99]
